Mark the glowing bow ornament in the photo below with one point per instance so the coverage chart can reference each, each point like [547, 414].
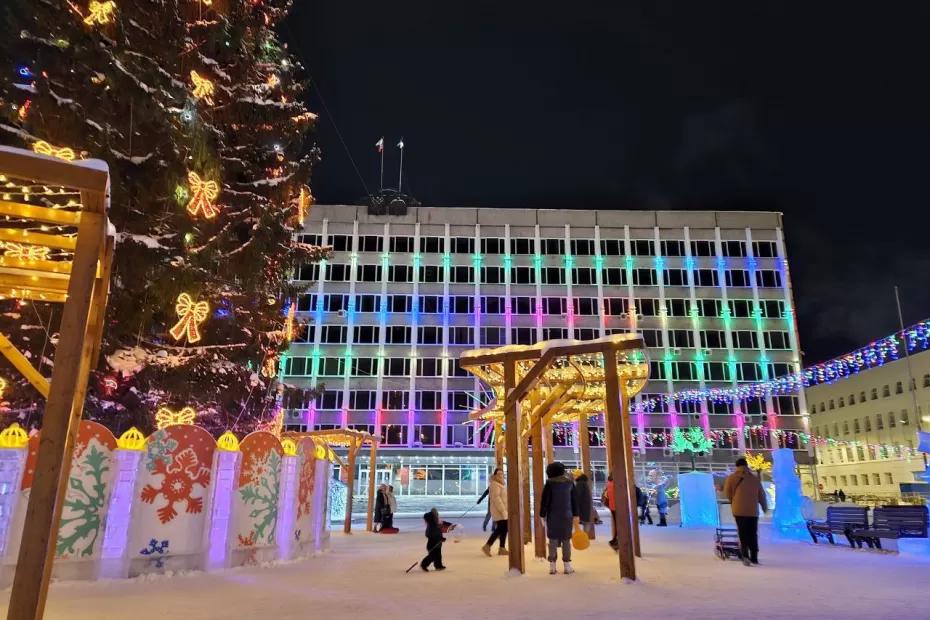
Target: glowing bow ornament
[44, 148]
[26, 252]
[100, 12]
[203, 88]
[166, 417]
[203, 193]
[190, 314]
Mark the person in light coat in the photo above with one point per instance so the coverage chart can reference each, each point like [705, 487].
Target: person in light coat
[497, 500]
[746, 495]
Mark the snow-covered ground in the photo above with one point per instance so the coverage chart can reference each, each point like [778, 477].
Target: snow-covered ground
[363, 578]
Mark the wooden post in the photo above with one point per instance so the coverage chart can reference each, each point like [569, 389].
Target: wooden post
[516, 558]
[631, 472]
[372, 470]
[585, 440]
[350, 482]
[60, 422]
[539, 535]
[525, 478]
[547, 442]
[499, 445]
[615, 449]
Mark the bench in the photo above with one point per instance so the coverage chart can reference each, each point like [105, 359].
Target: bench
[840, 520]
[892, 522]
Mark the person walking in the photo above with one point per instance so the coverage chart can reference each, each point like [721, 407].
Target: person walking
[608, 500]
[497, 500]
[560, 510]
[841, 495]
[487, 514]
[662, 501]
[746, 495]
[642, 500]
[586, 513]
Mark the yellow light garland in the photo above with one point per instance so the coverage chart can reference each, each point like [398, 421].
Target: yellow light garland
[203, 193]
[26, 252]
[166, 417]
[2, 386]
[190, 314]
[100, 12]
[203, 88]
[304, 202]
[44, 148]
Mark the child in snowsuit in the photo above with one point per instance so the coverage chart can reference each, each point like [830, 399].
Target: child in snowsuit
[435, 528]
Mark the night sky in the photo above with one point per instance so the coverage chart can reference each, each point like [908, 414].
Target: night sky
[818, 110]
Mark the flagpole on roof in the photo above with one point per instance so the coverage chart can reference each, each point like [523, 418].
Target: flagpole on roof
[400, 175]
[380, 146]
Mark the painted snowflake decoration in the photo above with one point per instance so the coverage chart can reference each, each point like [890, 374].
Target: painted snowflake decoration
[181, 475]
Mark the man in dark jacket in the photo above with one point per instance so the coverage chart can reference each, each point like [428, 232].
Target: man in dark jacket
[435, 528]
[560, 510]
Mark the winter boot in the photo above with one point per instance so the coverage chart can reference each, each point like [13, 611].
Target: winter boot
[568, 568]
[486, 550]
[502, 551]
[662, 522]
[552, 568]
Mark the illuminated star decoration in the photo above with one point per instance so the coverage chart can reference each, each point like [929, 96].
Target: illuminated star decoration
[44, 148]
[26, 252]
[166, 417]
[203, 193]
[203, 88]
[100, 12]
[190, 315]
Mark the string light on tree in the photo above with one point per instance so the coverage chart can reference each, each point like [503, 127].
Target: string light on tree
[203, 88]
[100, 12]
[44, 148]
[693, 441]
[190, 315]
[202, 193]
[758, 463]
[166, 417]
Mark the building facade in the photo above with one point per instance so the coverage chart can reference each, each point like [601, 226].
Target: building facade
[872, 418]
[402, 296]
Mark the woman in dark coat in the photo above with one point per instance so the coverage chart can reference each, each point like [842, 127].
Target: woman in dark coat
[559, 508]
[381, 506]
[585, 502]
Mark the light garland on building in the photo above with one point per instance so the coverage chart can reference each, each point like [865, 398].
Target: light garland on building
[202, 193]
[190, 314]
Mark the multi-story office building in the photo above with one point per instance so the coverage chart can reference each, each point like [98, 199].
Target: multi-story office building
[872, 420]
[403, 295]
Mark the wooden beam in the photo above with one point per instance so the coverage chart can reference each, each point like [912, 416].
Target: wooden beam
[516, 559]
[584, 439]
[525, 491]
[51, 171]
[101, 297]
[372, 471]
[25, 368]
[21, 235]
[630, 470]
[539, 531]
[547, 442]
[33, 283]
[499, 445]
[52, 298]
[616, 449]
[36, 213]
[350, 481]
[62, 412]
[34, 266]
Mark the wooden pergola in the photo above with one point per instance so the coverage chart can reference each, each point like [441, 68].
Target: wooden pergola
[57, 248]
[562, 381]
[353, 441]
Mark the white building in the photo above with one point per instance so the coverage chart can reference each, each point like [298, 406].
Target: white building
[872, 421]
[403, 295]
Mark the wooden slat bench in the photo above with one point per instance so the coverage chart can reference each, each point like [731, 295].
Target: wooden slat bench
[892, 522]
[840, 520]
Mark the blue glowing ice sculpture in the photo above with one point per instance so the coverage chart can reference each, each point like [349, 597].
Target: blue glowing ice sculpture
[698, 499]
[787, 519]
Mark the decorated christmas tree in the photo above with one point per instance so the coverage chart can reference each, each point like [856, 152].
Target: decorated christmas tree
[196, 108]
[693, 441]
